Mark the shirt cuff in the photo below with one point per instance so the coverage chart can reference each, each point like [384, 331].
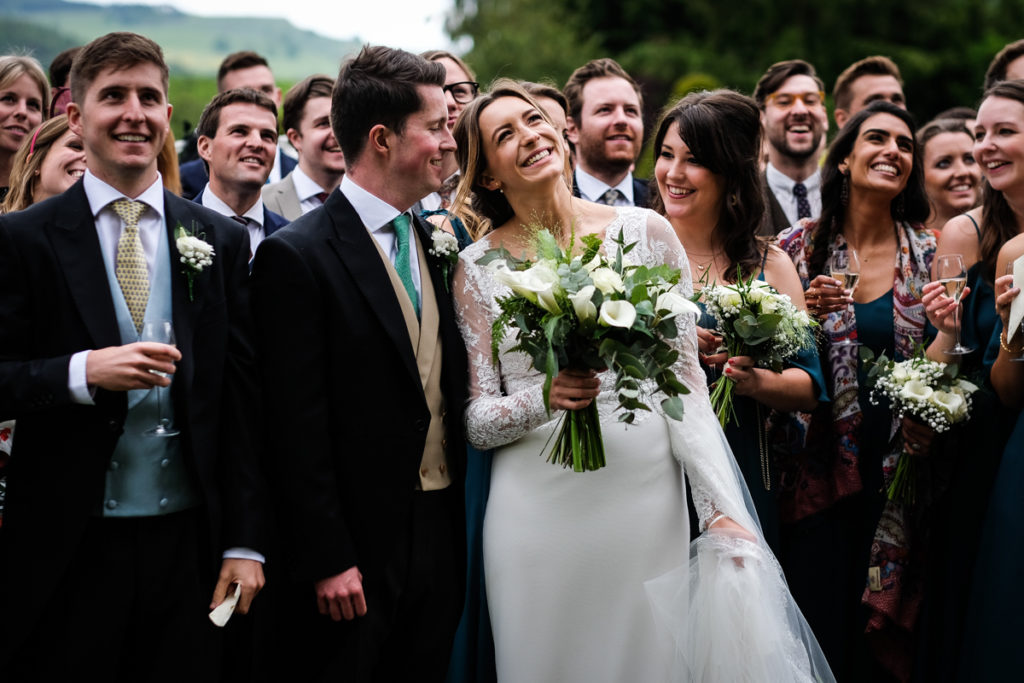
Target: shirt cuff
[244, 554]
[78, 386]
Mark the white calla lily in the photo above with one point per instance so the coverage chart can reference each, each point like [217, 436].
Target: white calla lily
[617, 314]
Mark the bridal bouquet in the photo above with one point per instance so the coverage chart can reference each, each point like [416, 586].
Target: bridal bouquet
[587, 311]
[927, 390]
[757, 321]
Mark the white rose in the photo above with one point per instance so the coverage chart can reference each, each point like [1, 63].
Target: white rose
[969, 387]
[951, 402]
[617, 314]
[676, 304]
[730, 298]
[583, 305]
[769, 304]
[916, 390]
[900, 374]
[607, 280]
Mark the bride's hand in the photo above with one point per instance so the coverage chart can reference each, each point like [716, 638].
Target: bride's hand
[573, 389]
[727, 527]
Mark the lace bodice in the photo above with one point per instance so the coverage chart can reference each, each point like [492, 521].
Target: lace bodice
[506, 401]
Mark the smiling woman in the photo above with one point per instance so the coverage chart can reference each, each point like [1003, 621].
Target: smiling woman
[24, 99]
[48, 162]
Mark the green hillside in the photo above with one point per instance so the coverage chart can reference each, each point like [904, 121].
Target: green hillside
[193, 45]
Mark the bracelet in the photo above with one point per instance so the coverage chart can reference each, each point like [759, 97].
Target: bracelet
[1004, 345]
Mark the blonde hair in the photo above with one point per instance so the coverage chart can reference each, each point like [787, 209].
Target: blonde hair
[28, 160]
[13, 67]
[481, 209]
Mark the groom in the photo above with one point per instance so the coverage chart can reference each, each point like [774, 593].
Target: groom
[364, 373]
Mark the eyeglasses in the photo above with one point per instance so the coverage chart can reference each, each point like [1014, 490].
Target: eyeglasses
[464, 92]
[787, 100]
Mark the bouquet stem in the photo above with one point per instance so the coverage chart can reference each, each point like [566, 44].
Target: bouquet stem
[903, 487]
[721, 400]
[579, 444]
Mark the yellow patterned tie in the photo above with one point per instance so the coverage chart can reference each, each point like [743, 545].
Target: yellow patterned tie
[130, 264]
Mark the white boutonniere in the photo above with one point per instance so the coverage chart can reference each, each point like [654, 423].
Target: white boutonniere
[195, 254]
[445, 247]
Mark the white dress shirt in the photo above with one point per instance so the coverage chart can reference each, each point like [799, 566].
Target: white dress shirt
[376, 215]
[253, 216]
[108, 228]
[307, 190]
[782, 185]
[591, 188]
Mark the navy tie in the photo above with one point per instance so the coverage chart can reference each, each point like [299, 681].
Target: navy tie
[803, 207]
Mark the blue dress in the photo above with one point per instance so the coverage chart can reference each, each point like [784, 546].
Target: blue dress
[995, 622]
[745, 433]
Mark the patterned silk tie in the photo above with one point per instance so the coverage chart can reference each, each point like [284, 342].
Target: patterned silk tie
[322, 196]
[130, 262]
[803, 207]
[402, 265]
[610, 197]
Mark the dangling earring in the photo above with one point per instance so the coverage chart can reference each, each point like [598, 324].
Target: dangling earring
[734, 199]
[844, 191]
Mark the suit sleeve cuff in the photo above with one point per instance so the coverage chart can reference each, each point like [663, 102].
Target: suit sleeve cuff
[78, 386]
[244, 554]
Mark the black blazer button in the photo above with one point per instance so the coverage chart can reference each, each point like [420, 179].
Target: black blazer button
[113, 426]
[421, 425]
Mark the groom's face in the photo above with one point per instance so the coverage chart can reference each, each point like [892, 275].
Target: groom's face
[419, 153]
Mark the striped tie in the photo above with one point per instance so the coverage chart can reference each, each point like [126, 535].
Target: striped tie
[130, 262]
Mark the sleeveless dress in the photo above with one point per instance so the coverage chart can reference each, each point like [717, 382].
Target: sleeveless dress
[590, 576]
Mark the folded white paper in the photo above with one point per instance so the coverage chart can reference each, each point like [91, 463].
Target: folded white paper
[1017, 305]
[222, 612]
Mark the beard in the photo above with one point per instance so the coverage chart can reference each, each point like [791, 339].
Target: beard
[591, 151]
[778, 140]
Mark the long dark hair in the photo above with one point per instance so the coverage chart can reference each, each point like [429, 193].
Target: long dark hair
[909, 205]
[722, 128]
[998, 222]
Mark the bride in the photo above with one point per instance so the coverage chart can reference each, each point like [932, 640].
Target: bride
[591, 576]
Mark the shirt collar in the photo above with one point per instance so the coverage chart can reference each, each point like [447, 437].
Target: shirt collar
[591, 188]
[374, 212]
[305, 187]
[100, 194]
[212, 201]
[780, 182]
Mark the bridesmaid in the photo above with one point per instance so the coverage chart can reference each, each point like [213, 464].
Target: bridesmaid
[716, 215]
[952, 177]
[975, 448]
[24, 101]
[995, 620]
[873, 202]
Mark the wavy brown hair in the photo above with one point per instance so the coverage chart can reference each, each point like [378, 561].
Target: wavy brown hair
[998, 222]
[722, 128]
[27, 161]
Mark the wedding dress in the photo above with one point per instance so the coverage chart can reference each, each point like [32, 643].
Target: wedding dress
[591, 576]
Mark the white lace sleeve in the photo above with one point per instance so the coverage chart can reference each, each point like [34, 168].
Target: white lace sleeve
[505, 402]
[698, 441]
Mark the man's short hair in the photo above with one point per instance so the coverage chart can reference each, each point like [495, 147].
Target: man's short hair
[239, 60]
[596, 68]
[294, 107]
[997, 69]
[209, 120]
[780, 72]
[876, 65]
[116, 51]
[546, 90]
[60, 67]
[378, 87]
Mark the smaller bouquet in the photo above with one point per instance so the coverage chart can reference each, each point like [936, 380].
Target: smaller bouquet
[755, 320]
[924, 389]
[588, 311]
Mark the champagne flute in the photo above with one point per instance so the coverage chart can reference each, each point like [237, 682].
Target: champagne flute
[844, 266]
[159, 331]
[1020, 330]
[949, 268]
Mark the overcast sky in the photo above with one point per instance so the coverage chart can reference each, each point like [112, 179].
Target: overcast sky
[414, 25]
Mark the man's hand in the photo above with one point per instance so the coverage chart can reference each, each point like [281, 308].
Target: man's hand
[246, 573]
[132, 366]
[342, 595]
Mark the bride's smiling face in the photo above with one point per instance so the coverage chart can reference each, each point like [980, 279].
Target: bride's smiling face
[520, 146]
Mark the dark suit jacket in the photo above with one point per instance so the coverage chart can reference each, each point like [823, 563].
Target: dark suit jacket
[348, 415]
[55, 300]
[271, 221]
[777, 217]
[194, 176]
[641, 191]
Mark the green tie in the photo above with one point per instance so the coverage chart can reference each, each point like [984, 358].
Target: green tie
[402, 266]
[130, 262]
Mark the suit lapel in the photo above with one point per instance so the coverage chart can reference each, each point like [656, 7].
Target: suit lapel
[354, 246]
[185, 308]
[78, 249]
